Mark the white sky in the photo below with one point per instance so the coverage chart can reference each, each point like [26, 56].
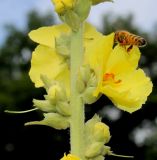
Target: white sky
[145, 11]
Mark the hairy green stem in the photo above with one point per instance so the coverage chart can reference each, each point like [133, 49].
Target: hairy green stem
[77, 106]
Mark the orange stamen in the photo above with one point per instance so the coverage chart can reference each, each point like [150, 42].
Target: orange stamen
[110, 77]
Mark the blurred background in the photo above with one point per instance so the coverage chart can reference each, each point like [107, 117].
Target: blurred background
[132, 134]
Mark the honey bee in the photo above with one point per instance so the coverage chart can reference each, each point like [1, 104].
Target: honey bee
[126, 38]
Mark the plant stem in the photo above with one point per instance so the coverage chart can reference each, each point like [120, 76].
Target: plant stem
[77, 106]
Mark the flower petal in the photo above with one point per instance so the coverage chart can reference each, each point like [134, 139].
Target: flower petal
[64, 78]
[46, 35]
[91, 33]
[45, 61]
[96, 55]
[120, 61]
[131, 93]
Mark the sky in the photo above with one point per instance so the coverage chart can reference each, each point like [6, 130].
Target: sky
[144, 11]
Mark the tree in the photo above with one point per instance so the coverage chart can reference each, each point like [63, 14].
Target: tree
[16, 88]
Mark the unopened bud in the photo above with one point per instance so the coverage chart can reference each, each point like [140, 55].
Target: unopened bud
[44, 105]
[53, 120]
[82, 8]
[85, 73]
[63, 108]
[107, 150]
[56, 93]
[101, 132]
[47, 82]
[80, 85]
[72, 20]
[61, 6]
[63, 45]
[88, 96]
[91, 123]
[95, 149]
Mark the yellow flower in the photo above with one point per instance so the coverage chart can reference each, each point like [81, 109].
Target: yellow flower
[117, 73]
[62, 5]
[70, 157]
[116, 69]
[47, 35]
[45, 59]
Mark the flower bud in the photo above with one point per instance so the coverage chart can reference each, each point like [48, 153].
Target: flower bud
[72, 12]
[62, 5]
[101, 132]
[83, 78]
[72, 20]
[91, 123]
[89, 126]
[85, 73]
[53, 120]
[44, 105]
[88, 96]
[80, 85]
[63, 45]
[56, 93]
[82, 8]
[63, 108]
[86, 84]
[107, 150]
[47, 82]
[98, 158]
[95, 149]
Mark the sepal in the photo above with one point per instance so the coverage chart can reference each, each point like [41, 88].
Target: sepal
[44, 105]
[101, 132]
[53, 120]
[97, 134]
[63, 107]
[94, 2]
[72, 20]
[62, 45]
[86, 84]
[94, 150]
[56, 93]
[82, 8]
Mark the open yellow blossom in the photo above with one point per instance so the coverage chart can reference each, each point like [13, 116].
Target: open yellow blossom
[62, 5]
[45, 59]
[118, 76]
[70, 157]
[116, 69]
[47, 35]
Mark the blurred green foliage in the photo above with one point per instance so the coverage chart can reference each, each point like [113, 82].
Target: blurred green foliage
[17, 90]
[151, 147]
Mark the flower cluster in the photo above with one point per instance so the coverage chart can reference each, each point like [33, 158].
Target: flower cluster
[116, 70]
[100, 68]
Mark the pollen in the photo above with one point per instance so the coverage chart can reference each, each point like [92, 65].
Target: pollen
[110, 77]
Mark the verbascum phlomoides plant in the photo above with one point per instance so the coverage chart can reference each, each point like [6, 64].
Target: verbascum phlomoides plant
[76, 64]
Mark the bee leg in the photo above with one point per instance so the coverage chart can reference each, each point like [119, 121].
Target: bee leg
[129, 48]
